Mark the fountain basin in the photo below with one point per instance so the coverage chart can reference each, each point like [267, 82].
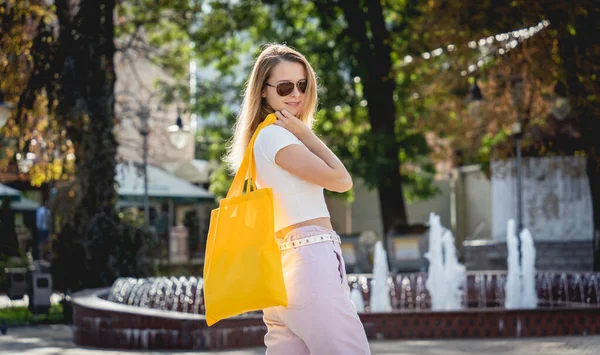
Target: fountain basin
[104, 324]
[569, 305]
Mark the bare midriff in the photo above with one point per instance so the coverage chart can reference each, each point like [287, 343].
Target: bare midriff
[324, 222]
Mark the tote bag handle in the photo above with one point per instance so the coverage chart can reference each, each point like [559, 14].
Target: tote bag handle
[247, 170]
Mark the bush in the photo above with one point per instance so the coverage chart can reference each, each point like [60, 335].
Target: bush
[94, 254]
[20, 316]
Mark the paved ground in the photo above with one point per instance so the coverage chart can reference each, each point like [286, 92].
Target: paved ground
[57, 340]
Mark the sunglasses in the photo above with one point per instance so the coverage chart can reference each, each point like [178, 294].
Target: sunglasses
[285, 88]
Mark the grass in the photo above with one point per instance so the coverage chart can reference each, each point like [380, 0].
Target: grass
[18, 316]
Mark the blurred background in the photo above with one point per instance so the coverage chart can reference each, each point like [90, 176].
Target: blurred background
[114, 116]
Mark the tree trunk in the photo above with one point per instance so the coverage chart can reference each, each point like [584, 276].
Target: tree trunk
[593, 171]
[379, 86]
[97, 170]
[577, 50]
[87, 103]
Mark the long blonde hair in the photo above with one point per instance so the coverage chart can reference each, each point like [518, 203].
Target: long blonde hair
[254, 107]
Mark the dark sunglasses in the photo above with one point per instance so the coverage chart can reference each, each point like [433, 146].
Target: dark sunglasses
[285, 88]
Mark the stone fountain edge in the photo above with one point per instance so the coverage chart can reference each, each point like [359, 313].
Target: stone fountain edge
[91, 298]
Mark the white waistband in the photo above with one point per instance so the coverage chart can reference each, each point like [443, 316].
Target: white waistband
[319, 238]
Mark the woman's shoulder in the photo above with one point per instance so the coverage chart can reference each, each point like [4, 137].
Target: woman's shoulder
[272, 138]
[272, 132]
[274, 129]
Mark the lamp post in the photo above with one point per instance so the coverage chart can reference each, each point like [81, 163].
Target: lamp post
[475, 100]
[516, 91]
[179, 133]
[144, 131]
[476, 95]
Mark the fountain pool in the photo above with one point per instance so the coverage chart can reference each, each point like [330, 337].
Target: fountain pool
[167, 313]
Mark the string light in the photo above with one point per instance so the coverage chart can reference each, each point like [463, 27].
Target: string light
[506, 41]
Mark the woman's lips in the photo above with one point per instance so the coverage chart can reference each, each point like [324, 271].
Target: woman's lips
[293, 104]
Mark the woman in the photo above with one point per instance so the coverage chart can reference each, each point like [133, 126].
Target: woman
[320, 318]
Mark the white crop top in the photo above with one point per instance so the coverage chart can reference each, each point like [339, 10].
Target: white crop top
[295, 200]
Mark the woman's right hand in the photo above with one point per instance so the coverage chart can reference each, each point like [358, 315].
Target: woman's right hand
[313, 162]
[294, 125]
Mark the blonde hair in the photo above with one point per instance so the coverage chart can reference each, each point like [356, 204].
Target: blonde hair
[254, 107]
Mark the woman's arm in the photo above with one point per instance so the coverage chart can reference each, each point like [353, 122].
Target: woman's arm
[316, 163]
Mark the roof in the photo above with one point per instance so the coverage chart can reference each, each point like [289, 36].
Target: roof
[195, 171]
[19, 203]
[14, 194]
[25, 204]
[161, 184]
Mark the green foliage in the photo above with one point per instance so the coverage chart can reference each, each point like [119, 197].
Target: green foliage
[21, 316]
[158, 31]
[545, 61]
[230, 33]
[220, 181]
[27, 46]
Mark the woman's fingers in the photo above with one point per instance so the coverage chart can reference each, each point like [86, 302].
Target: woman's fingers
[280, 115]
[286, 114]
[289, 115]
[291, 123]
[281, 120]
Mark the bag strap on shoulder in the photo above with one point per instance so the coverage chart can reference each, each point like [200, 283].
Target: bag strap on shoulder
[247, 170]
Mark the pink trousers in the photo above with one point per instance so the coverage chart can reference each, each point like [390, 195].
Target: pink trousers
[320, 318]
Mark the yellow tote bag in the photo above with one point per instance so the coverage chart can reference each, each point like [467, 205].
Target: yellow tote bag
[242, 266]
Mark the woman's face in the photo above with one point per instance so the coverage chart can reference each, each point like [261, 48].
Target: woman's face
[285, 72]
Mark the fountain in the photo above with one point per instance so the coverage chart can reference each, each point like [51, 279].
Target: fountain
[520, 283]
[357, 298]
[435, 281]
[447, 302]
[513, 276]
[446, 277]
[380, 297]
[528, 290]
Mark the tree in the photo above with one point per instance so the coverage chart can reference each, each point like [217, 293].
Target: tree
[26, 46]
[60, 66]
[113, 246]
[559, 62]
[354, 44]
[354, 47]
[104, 247]
[69, 71]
